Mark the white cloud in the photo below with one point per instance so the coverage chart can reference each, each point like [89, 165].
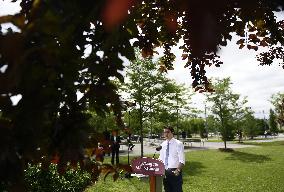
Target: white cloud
[249, 79]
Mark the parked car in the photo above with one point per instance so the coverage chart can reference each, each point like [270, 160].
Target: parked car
[154, 136]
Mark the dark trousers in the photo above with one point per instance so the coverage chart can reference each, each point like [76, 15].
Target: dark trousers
[171, 182]
[114, 153]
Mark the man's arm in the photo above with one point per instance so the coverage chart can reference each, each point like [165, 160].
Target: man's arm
[181, 157]
[179, 168]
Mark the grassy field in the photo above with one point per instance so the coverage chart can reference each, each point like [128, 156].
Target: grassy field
[248, 169]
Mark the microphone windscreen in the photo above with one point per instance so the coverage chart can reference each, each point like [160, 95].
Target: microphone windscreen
[158, 148]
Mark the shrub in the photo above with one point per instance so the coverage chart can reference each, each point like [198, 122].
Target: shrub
[39, 180]
[3, 187]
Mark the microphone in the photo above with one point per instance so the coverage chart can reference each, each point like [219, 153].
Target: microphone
[158, 148]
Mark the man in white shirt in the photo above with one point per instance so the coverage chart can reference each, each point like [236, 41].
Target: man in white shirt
[172, 155]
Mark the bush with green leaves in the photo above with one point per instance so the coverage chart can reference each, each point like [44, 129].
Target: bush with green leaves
[40, 180]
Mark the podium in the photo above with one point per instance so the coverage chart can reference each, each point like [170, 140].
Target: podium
[154, 168]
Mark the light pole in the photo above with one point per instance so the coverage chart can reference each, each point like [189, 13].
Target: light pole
[264, 121]
[128, 105]
[177, 117]
[206, 126]
[128, 136]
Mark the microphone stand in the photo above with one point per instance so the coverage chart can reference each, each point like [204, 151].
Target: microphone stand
[128, 175]
[128, 153]
[154, 155]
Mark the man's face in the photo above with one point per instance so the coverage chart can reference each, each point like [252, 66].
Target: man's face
[114, 133]
[168, 134]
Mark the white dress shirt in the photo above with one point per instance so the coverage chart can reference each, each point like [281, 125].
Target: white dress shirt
[176, 153]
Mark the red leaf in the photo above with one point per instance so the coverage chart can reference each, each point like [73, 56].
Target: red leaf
[99, 152]
[241, 46]
[106, 168]
[126, 168]
[146, 52]
[240, 41]
[115, 176]
[252, 36]
[171, 22]
[184, 56]
[255, 48]
[263, 43]
[55, 159]
[115, 12]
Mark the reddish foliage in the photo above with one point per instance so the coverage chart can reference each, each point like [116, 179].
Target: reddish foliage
[55, 159]
[99, 153]
[163, 68]
[115, 176]
[115, 12]
[171, 22]
[184, 56]
[126, 168]
[146, 52]
[263, 43]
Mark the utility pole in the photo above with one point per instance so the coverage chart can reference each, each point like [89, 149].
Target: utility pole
[264, 121]
[205, 113]
[128, 136]
[177, 117]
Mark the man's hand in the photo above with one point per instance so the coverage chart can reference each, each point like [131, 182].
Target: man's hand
[176, 172]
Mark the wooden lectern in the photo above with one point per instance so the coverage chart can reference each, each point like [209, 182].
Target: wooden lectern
[152, 167]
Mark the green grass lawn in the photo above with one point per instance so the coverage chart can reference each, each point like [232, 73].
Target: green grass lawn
[249, 169]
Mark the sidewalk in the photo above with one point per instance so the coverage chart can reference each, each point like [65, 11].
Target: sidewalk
[150, 149]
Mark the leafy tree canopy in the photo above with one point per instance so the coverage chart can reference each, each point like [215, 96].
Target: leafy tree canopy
[225, 105]
[47, 65]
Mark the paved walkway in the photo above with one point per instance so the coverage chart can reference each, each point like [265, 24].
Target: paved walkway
[149, 148]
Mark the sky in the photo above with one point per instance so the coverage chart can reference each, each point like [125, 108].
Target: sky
[248, 78]
[257, 83]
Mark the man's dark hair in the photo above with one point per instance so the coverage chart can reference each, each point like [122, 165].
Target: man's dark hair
[170, 128]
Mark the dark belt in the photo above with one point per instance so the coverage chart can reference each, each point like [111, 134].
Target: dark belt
[170, 172]
[171, 169]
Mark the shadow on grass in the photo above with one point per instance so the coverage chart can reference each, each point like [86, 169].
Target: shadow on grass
[192, 168]
[248, 157]
[273, 143]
